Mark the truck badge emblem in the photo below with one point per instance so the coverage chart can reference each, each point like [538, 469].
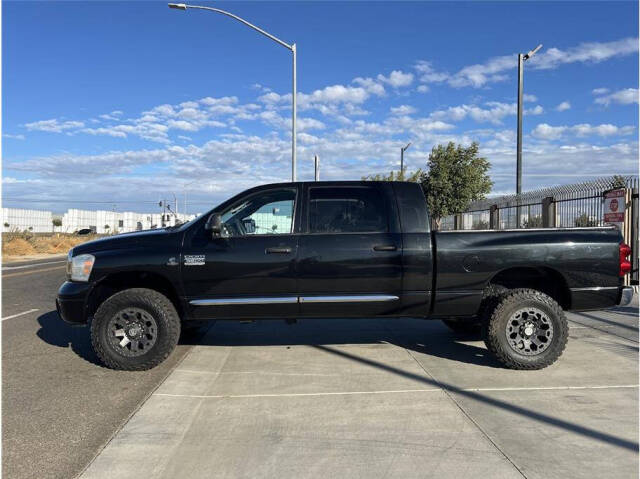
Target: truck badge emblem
[194, 260]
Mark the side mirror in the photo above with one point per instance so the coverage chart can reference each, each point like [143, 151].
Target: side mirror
[249, 225]
[214, 224]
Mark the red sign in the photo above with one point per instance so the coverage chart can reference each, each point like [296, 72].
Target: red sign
[614, 207]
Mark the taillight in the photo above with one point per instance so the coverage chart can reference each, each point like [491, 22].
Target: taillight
[625, 264]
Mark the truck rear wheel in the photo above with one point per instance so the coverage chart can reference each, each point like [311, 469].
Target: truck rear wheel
[135, 329]
[526, 330]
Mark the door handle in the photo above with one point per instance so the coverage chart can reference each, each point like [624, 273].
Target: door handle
[278, 250]
[389, 247]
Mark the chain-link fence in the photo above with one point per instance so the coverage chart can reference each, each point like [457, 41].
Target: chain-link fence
[567, 206]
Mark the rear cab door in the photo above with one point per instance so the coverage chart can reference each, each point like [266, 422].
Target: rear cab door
[350, 251]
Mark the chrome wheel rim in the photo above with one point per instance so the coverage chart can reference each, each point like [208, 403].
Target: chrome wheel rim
[529, 331]
[132, 332]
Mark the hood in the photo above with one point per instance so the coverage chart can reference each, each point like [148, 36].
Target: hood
[124, 240]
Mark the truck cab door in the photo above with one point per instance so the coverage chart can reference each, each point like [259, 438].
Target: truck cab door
[248, 271]
[350, 251]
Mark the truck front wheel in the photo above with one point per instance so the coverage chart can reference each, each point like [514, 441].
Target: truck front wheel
[526, 330]
[135, 329]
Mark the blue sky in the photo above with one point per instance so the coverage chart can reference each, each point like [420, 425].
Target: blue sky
[126, 103]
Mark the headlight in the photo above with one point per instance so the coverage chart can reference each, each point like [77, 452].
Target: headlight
[79, 267]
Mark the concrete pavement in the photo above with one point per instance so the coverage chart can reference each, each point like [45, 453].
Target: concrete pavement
[386, 398]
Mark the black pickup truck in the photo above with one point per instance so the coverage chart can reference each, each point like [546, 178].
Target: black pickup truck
[339, 249]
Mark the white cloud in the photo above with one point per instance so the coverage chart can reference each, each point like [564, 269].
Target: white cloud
[624, 97]
[536, 110]
[564, 106]
[495, 112]
[548, 132]
[427, 74]
[493, 70]
[397, 78]
[402, 110]
[529, 97]
[590, 52]
[53, 125]
[422, 89]
[114, 115]
[14, 137]
[371, 85]
[600, 91]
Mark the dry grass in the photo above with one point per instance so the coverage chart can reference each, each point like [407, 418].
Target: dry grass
[22, 244]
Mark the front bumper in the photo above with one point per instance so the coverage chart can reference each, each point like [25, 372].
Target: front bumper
[71, 302]
[626, 296]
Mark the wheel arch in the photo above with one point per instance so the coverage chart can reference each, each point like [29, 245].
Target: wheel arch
[116, 282]
[541, 278]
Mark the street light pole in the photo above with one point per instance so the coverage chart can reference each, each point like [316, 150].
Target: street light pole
[402, 150]
[521, 59]
[292, 48]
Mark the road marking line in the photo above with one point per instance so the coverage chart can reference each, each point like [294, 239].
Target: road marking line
[10, 275]
[7, 268]
[400, 391]
[554, 388]
[341, 393]
[20, 314]
[254, 372]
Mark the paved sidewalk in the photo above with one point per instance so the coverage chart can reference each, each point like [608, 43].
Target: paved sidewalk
[386, 398]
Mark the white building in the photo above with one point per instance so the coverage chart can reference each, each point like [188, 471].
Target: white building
[101, 222]
[36, 221]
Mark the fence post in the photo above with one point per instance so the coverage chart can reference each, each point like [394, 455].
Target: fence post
[457, 222]
[493, 217]
[548, 212]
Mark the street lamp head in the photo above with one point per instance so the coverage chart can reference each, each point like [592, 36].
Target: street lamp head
[406, 147]
[532, 52]
[178, 6]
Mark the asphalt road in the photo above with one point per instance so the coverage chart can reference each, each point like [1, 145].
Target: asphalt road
[59, 406]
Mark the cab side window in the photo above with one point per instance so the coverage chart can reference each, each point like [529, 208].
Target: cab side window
[347, 210]
[266, 213]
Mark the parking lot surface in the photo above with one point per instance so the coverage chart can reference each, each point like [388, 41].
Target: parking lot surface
[386, 398]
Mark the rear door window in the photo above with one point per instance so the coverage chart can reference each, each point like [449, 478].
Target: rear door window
[347, 210]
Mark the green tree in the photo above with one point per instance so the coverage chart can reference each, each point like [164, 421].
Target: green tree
[415, 177]
[584, 220]
[619, 181]
[456, 177]
[56, 222]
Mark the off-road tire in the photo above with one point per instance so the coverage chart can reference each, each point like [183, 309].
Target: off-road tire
[495, 329]
[470, 327]
[152, 302]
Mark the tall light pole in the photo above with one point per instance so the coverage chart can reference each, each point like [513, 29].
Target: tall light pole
[292, 48]
[521, 59]
[402, 150]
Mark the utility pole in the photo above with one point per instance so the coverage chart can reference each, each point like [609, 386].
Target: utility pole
[316, 164]
[402, 150]
[521, 59]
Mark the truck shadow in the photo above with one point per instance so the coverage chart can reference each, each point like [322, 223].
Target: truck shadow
[54, 331]
[426, 337]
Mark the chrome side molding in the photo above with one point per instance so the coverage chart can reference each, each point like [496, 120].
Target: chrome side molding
[228, 301]
[353, 298]
[595, 288]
